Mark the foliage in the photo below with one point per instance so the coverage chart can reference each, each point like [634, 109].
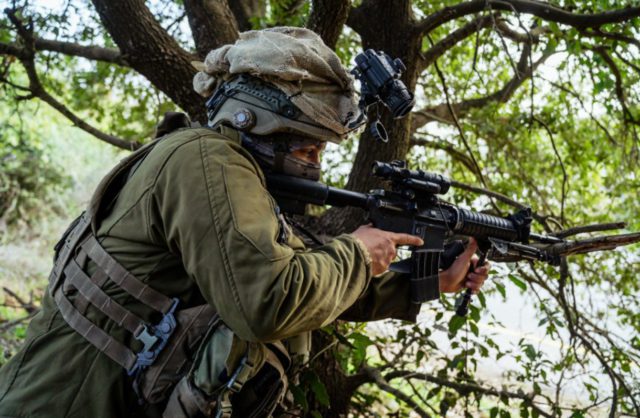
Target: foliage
[546, 113]
[29, 181]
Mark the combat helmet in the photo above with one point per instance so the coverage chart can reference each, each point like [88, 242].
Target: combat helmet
[257, 107]
[279, 80]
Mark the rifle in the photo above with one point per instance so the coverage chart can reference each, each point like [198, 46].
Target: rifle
[412, 206]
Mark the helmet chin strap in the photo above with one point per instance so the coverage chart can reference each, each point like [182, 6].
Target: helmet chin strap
[276, 156]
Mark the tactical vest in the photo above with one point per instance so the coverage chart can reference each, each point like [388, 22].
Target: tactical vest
[170, 345]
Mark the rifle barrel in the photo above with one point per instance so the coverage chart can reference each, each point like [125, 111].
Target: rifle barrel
[289, 187]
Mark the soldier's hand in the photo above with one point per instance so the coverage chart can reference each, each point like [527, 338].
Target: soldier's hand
[382, 245]
[458, 275]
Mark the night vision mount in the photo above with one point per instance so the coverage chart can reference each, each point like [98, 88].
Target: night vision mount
[380, 82]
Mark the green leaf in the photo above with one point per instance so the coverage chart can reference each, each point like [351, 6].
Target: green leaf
[474, 313]
[530, 351]
[522, 285]
[482, 299]
[318, 388]
[360, 342]
[493, 413]
[299, 397]
[501, 289]
[474, 328]
[455, 323]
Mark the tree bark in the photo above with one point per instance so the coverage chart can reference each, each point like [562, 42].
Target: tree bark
[152, 52]
[245, 10]
[327, 18]
[212, 24]
[383, 25]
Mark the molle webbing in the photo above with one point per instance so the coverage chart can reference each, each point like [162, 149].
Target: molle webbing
[89, 291]
[120, 276]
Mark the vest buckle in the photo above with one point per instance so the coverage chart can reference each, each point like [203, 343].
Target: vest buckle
[154, 338]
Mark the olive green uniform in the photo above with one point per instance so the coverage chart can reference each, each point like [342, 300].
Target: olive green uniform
[195, 222]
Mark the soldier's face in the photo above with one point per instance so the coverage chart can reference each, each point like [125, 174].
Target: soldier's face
[309, 153]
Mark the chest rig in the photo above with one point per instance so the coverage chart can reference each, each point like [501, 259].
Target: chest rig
[167, 345]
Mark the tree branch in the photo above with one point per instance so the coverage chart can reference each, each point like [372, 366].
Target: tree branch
[27, 306]
[37, 89]
[7, 325]
[626, 61]
[441, 112]
[448, 148]
[602, 51]
[445, 44]
[542, 10]
[377, 378]
[212, 23]
[589, 228]
[565, 177]
[591, 115]
[13, 50]
[327, 19]
[604, 243]
[245, 10]
[95, 53]
[609, 35]
[466, 387]
[152, 52]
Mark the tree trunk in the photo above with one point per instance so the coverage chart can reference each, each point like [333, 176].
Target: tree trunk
[212, 24]
[327, 19]
[152, 52]
[387, 26]
[384, 25]
[245, 10]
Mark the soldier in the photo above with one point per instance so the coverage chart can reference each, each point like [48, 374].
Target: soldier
[183, 268]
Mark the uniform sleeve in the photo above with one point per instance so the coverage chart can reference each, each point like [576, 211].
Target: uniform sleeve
[387, 296]
[216, 213]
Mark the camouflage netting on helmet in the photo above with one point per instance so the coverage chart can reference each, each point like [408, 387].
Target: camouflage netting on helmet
[297, 62]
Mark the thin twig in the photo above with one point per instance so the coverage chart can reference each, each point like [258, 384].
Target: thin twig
[460, 131]
[379, 380]
[589, 228]
[6, 326]
[565, 177]
[27, 306]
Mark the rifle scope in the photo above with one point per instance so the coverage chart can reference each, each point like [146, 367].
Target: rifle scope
[418, 180]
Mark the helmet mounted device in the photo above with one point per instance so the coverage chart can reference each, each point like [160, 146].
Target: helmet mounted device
[380, 82]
